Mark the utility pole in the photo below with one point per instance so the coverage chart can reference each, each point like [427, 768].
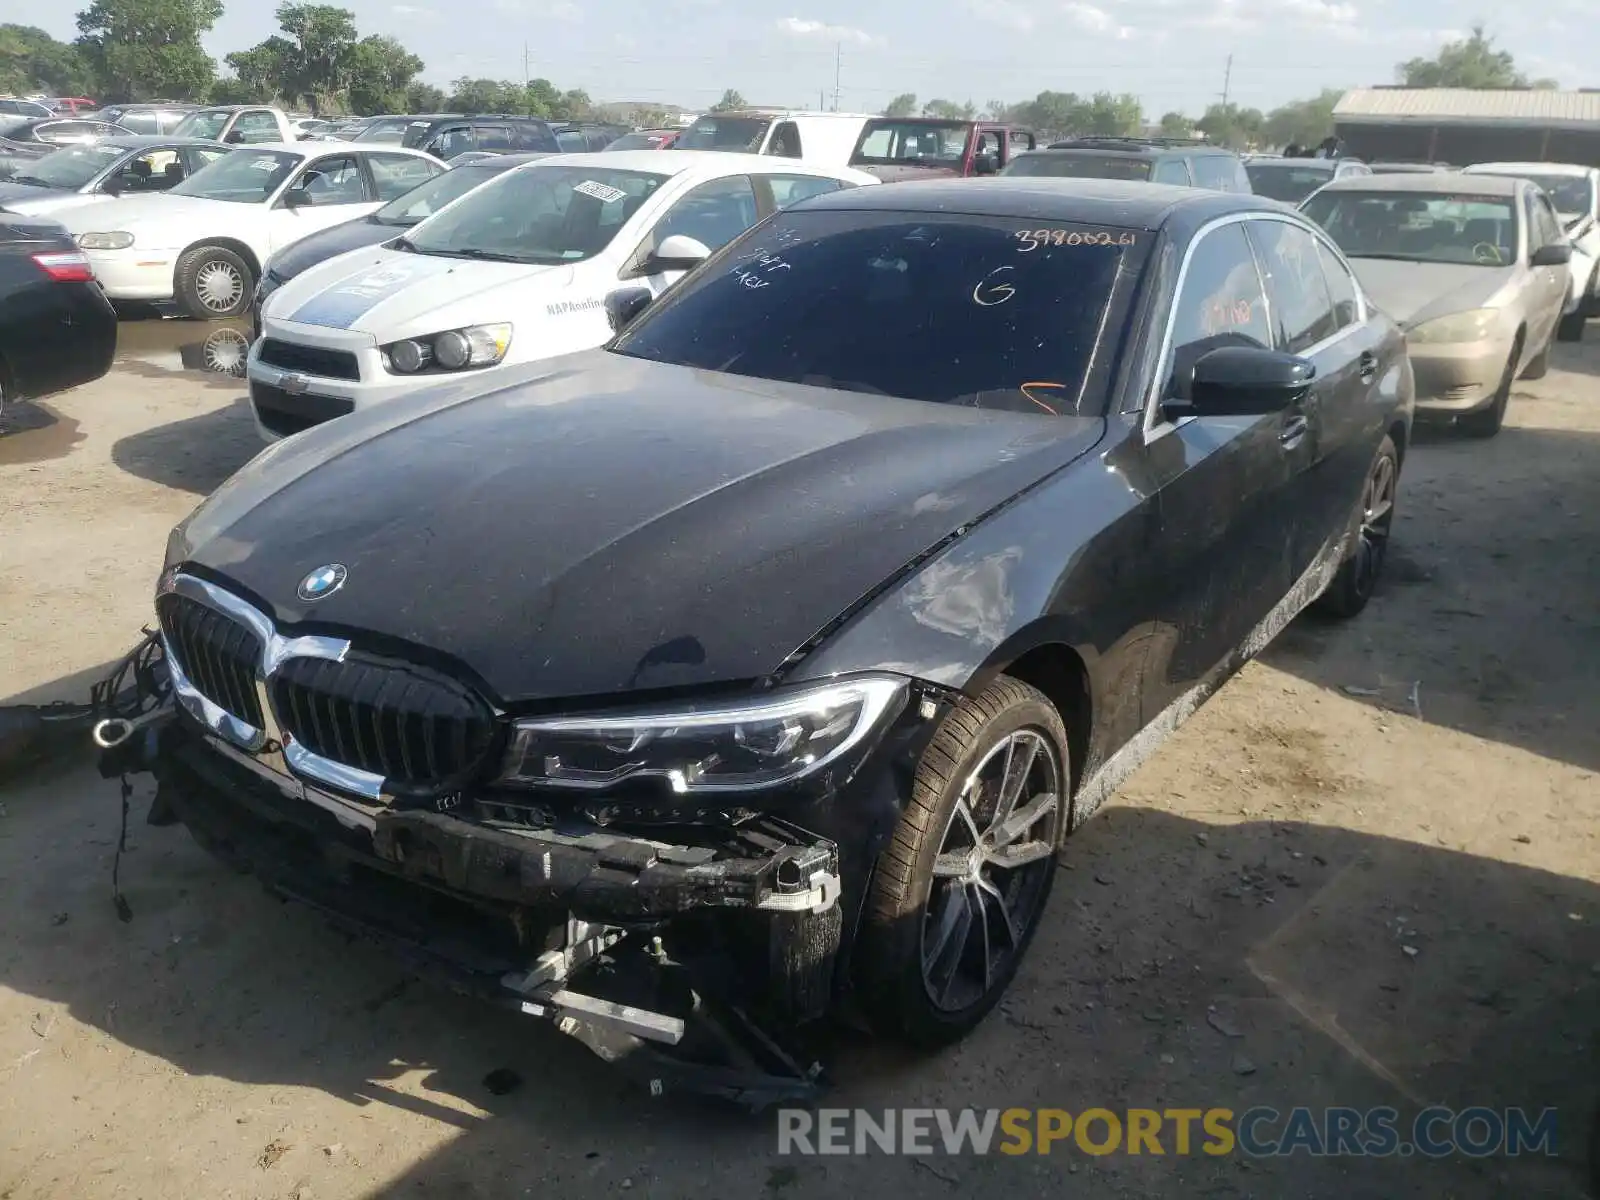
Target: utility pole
[527, 101]
[1227, 78]
[838, 62]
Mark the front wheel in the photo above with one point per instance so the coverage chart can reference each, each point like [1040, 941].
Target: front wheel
[958, 893]
[1358, 575]
[213, 283]
[1486, 422]
[1571, 326]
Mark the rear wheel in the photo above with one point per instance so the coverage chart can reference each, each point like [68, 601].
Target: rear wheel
[959, 891]
[1571, 327]
[213, 283]
[1358, 575]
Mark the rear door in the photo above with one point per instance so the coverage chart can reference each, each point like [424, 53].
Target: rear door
[1222, 482]
[1327, 462]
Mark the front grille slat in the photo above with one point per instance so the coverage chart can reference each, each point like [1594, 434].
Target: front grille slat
[218, 654]
[312, 360]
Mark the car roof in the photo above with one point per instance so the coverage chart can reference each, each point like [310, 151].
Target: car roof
[1431, 183]
[132, 141]
[1277, 160]
[709, 162]
[786, 114]
[1113, 202]
[1527, 168]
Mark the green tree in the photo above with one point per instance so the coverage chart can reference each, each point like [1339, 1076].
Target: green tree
[316, 61]
[903, 105]
[1052, 113]
[424, 97]
[381, 74]
[949, 110]
[231, 89]
[1471, 62]
[1176, 125]
[31, 60]
[485, 95]
[1230, 125]
[1303, 122]
[1108, 115]
[730, 100]
[256, 76]
[139, 49]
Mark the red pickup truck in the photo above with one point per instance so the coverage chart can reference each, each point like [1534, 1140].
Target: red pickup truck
[899, 148]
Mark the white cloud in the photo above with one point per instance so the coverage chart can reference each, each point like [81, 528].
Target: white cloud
[554, 10]
[1003, 13]
[1090, 19]
[821, 31]
[410, 10]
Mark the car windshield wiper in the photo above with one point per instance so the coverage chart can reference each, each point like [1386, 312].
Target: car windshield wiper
[492, 255]
[31, 181]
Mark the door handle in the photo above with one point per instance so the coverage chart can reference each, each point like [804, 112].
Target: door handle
[1293, 430]
[1369, 364]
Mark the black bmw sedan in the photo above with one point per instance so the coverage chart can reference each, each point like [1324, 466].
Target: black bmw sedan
[761, 661]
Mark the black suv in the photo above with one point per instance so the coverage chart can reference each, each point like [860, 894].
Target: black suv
[444, 137]
[582, 137]
[1157, 160]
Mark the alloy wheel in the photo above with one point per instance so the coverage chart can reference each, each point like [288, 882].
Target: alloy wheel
[990, 873]
[219, 285]
[1377, 516]
[225, 352]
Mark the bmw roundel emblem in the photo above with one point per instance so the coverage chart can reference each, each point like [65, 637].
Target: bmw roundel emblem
[324, 581]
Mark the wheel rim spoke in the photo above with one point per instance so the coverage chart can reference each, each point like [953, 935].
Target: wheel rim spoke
[1019, 765]
[1024, 819]
[964, 811]
[1020, 854]
[997, 898]
[952, 865]
[955, 928]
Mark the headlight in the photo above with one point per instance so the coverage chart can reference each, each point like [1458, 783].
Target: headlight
[119, 240]
[1457, 328]
[758, 743]
[454, 350]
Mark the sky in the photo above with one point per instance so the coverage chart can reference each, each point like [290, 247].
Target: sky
[1172, 53]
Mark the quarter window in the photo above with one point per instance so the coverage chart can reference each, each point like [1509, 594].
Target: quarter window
[331, 181]
[790, 189]
[1302, 310]
[1171, 170]
[786, 141]
[256, 127]
[1341, 288]
[397, 174]
[1221, 303]
[1213, 171]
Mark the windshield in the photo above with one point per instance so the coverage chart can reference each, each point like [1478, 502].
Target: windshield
[428, 198]
[986, 312]
[390, 132]
[724, 133]
[72, 167]
[638, 141]
[1418, 227]
[1572, 195]
[538, 214]
[207, 123]
[1081, 166]
[1289, 181]
[572, 141]
[243, 177]
[912, 143]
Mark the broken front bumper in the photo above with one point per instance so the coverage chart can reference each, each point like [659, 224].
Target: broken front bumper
[630, 943]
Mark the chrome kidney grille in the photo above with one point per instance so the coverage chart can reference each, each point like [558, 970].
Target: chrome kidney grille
[358, 723]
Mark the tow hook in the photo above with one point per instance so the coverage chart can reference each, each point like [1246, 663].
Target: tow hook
[114, 731]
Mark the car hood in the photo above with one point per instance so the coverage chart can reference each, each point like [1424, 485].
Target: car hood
[14, 194]
[599, 524]
[162, 210]
[1413, 292]
[395, 293]
[318, 247]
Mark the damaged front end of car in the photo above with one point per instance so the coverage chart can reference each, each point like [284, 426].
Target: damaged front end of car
[684, 926]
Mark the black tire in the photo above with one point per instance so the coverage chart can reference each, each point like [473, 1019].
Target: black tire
[1372, 523]
[1486, 422]
[1591, 301]
[1540, 366]
[920, 889]
[199, 283]
[1570, 328]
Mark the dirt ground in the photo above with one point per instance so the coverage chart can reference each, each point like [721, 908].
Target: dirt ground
[1367, 873]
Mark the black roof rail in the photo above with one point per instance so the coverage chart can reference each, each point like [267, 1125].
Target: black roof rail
[1113, 140]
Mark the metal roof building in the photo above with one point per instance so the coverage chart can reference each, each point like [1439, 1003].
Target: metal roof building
[1462, 125]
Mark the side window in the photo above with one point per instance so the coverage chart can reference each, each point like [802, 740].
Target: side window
[256, 126]
[63, 132]
[1214, 171]
[495, 137]
[714, 213]
[397, 174]
[1171, 170]
[449, 142]
[330, 181]
[1549, 223]
[154, 171]
[1221, 303]
[145, 122]
[785, 140]
[1302, 309]
[1341, 288]
[789, 189]
[529, 136]
[1530, 218]
[195, 157]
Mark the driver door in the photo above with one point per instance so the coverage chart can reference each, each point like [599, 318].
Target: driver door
[329, 191]
[1550, 284]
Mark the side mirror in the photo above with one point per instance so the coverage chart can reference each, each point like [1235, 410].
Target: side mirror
[1555, 254]
[624, 304]
[235, 138]
[985, 164]
[1243, 381]
[113, 186]
[677, 253]
[297, 198]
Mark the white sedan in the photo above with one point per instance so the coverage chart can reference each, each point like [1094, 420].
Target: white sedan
[202, 242]
[517, 270]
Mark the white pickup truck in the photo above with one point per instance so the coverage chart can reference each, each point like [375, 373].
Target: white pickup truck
[239, 124]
